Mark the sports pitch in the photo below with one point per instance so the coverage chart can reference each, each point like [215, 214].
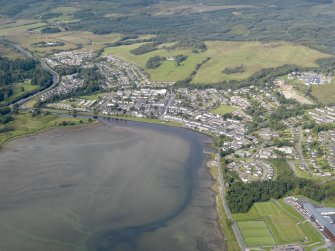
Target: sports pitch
[275, 223]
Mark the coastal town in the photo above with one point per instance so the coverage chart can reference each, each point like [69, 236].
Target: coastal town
[167, 125]
[250, 132]
[128, 92]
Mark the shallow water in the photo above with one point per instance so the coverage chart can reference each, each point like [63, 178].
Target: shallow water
[117, 186]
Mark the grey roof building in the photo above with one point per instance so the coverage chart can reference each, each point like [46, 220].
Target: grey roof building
[322, 217]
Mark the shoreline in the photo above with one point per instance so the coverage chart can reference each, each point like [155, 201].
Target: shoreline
[40, 130]
[156, 126]
[224, 222]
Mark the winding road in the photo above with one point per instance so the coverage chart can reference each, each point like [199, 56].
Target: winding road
[45, 66]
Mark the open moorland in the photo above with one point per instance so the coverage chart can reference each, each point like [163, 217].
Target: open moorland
[28, 34]
[301, 21]
[252, 56]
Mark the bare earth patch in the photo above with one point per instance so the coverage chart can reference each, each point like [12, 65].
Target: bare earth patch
[290, 93]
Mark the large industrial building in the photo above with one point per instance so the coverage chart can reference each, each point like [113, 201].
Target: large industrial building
[324, 217]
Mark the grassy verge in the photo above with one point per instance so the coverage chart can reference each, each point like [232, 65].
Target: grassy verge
[121, 117]
[225, 223]
[20, 90]
[148, 120]
[24, 125]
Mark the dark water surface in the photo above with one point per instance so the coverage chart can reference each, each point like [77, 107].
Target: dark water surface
[116, 186]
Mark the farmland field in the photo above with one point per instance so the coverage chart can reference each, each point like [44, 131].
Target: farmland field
[284, 224]
[253, 56]
[325, 93]
[168, 71]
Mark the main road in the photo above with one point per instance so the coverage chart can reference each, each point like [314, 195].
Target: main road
[234, 226]
[45, 66]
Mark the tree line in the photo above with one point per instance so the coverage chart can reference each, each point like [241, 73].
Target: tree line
[241, 196]
[14, 71]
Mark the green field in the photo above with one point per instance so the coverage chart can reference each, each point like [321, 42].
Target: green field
[325, 93]
[276, 223]
[223, 109]
[254, 56]
[21, 89]
[25, 124]
[256, 233]
[168, 71]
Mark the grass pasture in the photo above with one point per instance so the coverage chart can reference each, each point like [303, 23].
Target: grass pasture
[283, 223]
[254, 56]
[168, 71]
[223, 109]
[325, 93]
[22, 88]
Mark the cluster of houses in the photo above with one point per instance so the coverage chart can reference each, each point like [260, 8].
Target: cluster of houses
[310, 78]
[122, 73]
[72, 104]
[145, 102]
[266, 153]
[70, 58]
[67, 84]
[251, 171]
[192, 108]
[325, 141]
[323, 115]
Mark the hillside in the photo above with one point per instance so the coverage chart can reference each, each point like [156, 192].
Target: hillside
[300, 21]
[252, 56]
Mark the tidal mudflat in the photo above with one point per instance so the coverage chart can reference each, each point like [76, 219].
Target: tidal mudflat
[115, 186]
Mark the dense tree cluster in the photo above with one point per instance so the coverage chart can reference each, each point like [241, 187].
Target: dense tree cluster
[15, 70]
[50, 30]
[50, 15]
[241, 196]
[154, 62]
[19, 70]
[282, 112]
[273, 21]
[234, 70]
[93, 83]
[145, 48]
[179, 59]
[316, 128]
